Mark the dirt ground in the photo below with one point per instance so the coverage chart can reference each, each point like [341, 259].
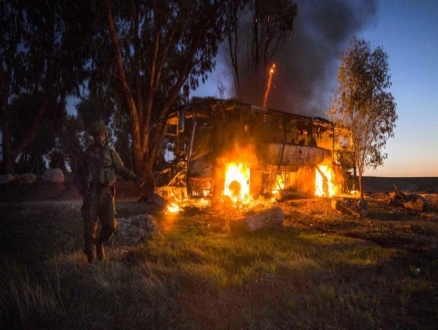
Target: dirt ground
[387, 225]
[127, 190]
[43, 191]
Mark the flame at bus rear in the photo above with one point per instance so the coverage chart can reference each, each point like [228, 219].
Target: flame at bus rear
[325, 181]
[237, 178]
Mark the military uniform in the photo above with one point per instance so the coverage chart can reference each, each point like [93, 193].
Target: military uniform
[96, 176]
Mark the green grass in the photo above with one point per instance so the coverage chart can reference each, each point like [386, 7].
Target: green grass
[193, 277]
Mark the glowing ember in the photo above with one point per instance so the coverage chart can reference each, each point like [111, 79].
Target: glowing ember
[237, 177]
[173, 208]
[278, 184]
[324, 182]
[268, 87]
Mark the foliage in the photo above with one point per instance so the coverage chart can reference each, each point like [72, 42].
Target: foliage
[24, 108]
[69, 141]
[30, 163]
[123, 141]
[364, 104]
[139, 59]
[57, 160]
[43, 50]
[160, 52]
[249, 53]
[93, 108]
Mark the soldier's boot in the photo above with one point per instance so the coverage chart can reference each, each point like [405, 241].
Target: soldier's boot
[100, 251]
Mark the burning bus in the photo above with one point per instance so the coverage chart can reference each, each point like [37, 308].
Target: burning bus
[220, 149]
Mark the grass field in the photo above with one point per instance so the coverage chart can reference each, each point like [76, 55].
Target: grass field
[320, 270]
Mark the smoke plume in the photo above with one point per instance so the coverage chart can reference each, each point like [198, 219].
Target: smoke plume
[305, 77]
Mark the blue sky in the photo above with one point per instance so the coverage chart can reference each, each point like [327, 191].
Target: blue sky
[408, 33]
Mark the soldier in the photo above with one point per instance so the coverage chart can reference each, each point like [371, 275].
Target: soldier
[95, 177]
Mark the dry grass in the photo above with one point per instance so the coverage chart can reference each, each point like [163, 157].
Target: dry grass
[321, 270]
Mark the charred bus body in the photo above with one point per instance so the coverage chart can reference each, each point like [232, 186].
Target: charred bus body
[224, 148]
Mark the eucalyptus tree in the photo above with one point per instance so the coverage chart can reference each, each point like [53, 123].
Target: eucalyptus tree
[68, 143]
[160, 49]
[44, 46]
[255, 32]
[364, 104]
[24, 108]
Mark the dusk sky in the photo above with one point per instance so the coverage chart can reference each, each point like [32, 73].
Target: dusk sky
[408, 33]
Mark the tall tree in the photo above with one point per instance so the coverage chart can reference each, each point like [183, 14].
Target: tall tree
[69, 142]
[12, 65]
[158, 48]
[256, 31]
[233, 12]
[364, 104]
[43, 49]
[24, 108]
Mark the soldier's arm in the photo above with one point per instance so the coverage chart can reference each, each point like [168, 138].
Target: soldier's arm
[120, 168]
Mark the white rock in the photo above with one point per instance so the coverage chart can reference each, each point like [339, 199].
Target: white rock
[268, 218]
[54, 175]
[6, 178]
[136, 229]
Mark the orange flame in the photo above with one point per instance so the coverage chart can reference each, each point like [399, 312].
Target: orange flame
[173, 208]
[324, 178]
[279, 184]
[237, 177]
[268, 87]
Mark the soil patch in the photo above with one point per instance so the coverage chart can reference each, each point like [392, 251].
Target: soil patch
[46, 191]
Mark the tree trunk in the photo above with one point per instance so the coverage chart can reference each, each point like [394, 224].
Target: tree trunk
[360, 183]
[127, 93]
[233, 42]
[149, 181]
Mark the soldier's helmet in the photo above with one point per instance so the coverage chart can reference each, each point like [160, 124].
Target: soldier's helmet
[99, 127]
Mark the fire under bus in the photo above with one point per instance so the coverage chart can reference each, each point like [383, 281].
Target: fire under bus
[224, 149]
